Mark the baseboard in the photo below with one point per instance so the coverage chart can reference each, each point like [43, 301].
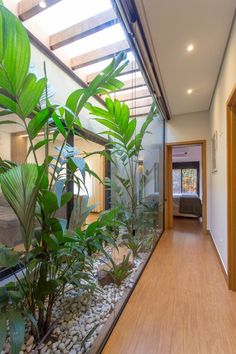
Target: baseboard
[219, 257]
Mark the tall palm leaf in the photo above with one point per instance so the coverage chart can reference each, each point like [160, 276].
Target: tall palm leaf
[20, 187]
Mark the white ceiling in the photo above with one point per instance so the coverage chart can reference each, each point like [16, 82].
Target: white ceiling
[172, 26]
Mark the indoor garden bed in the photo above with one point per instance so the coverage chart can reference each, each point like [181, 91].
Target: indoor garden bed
[75, 275]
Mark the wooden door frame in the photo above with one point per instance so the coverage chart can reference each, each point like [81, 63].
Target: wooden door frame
[231, 179]
[168, 182]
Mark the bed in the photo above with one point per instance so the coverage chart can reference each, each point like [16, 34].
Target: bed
[187, 205]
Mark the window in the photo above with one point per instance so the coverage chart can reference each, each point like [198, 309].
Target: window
[185, 177]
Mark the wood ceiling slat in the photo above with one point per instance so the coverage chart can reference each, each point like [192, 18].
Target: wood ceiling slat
[83, 29]
[99, 54]
[139, 103]
[139, 111]
[136, 82]
[129, 69]
[30, 8]
[132, 95]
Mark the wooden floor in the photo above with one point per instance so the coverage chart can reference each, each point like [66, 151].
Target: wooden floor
[181, 304]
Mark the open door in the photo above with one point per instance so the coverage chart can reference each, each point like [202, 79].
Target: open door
[169, 220]
[231, 157]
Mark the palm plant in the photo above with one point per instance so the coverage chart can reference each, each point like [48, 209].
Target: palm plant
[126, 144]
[53, 256]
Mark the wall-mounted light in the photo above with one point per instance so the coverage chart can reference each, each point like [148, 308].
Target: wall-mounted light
[189, 91]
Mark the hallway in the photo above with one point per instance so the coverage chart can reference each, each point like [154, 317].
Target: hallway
[181, 304]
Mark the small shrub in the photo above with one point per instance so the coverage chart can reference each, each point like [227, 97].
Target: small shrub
[120, 271]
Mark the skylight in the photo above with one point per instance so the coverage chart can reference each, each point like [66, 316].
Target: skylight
[67, 13]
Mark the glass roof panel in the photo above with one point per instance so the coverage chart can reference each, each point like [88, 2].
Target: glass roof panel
[67, 13]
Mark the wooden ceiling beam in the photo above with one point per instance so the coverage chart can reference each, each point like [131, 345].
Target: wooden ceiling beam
[129, 69]
[100, 54]
[132, 95]
[133, 83]
[83, 29]
[139, 111]
[140, 103]
[30, 8]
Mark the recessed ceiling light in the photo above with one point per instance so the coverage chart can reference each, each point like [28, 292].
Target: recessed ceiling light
[189, 91]
[190, 48]
[43, 4]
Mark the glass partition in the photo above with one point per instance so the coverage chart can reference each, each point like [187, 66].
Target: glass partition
[116, 187]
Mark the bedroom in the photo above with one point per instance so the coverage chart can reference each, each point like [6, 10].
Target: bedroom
[187, 182]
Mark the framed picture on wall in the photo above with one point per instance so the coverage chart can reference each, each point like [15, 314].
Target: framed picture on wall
[214, 148]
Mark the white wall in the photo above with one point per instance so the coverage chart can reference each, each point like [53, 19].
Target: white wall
[193, 126]
[190, 127]
[218, 180]
[5, 145]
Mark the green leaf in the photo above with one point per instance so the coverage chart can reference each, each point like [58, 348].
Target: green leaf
[3, 330]
[80, 164]
[49, 201]
[117, 113]
[59, 187]
[99, 112]
[8, 257]
[15, 50]
[20, 186]
[59, 124]
[30, 94]
[9, 122]
[124, 117]
[108, 124]
[110, 105]
[4, 298]
[66, 198]
[17, 330]
[37, 123]
[72, 103]
[130, 130]
[47, 287]
[5, 112]
[92, 173]
[38, 145]
[10, 104]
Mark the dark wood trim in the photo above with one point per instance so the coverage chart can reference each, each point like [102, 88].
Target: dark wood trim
[25, 14]
[231, 185]
[218, 257]
[89, 135]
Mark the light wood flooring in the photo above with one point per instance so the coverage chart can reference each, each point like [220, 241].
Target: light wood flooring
[181, 304]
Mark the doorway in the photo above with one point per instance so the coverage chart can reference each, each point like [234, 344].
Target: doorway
[231, 160]
[187, 195]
